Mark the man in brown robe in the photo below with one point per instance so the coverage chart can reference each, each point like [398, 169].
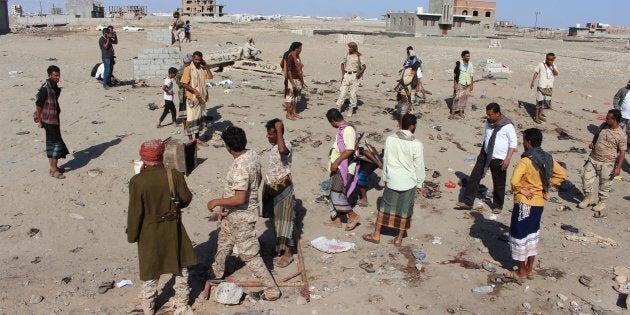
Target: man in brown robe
[163, 244]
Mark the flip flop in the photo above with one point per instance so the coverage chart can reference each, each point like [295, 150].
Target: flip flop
[353, 224]
[105, 286]
[57, 174]
[369, 238]
[512, 275]
[260, 295]
[368, 267]
[279, 263]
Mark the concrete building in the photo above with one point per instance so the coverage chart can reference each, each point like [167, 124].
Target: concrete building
[127, 11]
[4, 17]
[202, 8]
[444, 17]
[16, 10]
[85, 9]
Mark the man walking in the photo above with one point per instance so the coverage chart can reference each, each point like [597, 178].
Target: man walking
[239, 211]
[499, 143]
[463, 81]
[403, 171]
[534, 174]
[181, 91]
[194, 81]
[621, 101]
[608, 147]
[47, 113]
[351, 71]
[543, 78]
[107, 55]
[156, 196]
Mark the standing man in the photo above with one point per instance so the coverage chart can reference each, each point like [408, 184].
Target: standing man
[351, 71]
[499, 143]
[107, 55]
[608, 147]
[47, 113]
[532, 177]
[278, 195]
[545, 73]
[404, 175]
[238, 210]
[343, 166]
[181, 91]
[194, 81]
[463, 84]
[621, 101]
[156, 196]
[294, 79]
[114, 38]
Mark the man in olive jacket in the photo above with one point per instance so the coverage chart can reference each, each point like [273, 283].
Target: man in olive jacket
[163, 245]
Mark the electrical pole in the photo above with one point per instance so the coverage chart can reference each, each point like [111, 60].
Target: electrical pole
[537, 13]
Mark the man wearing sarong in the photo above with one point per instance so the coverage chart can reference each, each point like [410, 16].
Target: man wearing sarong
[293, 79]
[463, 84]
[47, 112]
[532, 177]
[194, 81]
[181, 91]
[608, 153]
[499, 143]
[277, 195]
[351, 71]
[543, 80]
[621, 101]
[343, 166]
[239, 212]
[403, 171]
[156, 196]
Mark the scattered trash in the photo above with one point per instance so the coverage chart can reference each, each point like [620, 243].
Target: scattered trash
[592, 238]
[470, 159]
[66, 280]
[14, 72]
[105, 286]
[228, 293]
[569, 228]
[35, 299]
[585, 280]
[152, 106]
[436, 240]
[563, 208]
[325, 185]
[123, 283]
[316, 144]
[436, 174]
[419, 254]
[432, 190]
[331, 246]
[96, 122]
[33, 232]
[20, 133]
[488, 266]
[526, 305]
[36, 260]
[419, 267]
[601, 117]
[4, 227]
[51, 59]
[77, 216]
[367, 266]
[450, 184]
[575, 307]
[483, 289]
[95, 172]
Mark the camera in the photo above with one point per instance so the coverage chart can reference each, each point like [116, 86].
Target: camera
[175, 200]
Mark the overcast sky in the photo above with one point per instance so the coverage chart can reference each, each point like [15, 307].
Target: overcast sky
[553, 13]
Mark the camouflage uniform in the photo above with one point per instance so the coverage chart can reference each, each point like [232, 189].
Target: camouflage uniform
[238, 231]
[148, 293]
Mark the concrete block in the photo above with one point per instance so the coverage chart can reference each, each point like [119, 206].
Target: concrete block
[346, 38]
[229, 293]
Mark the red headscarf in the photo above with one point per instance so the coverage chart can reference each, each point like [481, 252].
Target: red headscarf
[151, 152]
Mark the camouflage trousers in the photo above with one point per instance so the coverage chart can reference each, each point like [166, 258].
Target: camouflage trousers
[148, 293]
[593, 170]
[238, 235]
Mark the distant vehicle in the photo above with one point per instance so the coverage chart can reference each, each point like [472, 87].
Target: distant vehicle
[131, 28]
[101, 27]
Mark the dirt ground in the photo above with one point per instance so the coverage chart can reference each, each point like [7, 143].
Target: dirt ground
[80, 221]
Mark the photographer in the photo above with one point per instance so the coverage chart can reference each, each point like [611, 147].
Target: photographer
[194, 82]
[105, 44]
[156, 196]
[114, 39]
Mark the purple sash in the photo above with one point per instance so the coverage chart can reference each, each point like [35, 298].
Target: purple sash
[343, 166]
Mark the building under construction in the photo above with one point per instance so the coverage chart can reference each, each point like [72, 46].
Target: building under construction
[127, 11]
[85, 9]
[202, 8]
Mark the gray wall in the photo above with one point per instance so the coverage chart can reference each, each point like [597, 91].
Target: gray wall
[4, 17]
[401, 22]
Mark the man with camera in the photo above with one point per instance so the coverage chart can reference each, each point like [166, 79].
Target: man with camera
[105, 44]
[194, 82]
[156, 196]
[114, 38]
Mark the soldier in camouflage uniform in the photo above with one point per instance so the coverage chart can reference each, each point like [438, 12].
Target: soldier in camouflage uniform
[240, 203]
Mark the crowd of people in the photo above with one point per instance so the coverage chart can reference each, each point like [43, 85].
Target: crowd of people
[157, 195]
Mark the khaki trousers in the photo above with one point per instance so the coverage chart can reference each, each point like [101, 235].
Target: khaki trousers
[148, 293]
[349, 84]
[593, 170]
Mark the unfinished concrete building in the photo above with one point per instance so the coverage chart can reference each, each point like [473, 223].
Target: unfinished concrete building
[85, 9]
[127, 11]
[16, 10]
[202, 8]
[445, 17]
[4, 17]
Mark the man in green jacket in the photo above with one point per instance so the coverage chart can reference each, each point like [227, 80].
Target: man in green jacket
[163, 245]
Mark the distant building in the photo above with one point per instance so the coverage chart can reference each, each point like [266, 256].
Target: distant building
[85, 9]
[4, 17]
[454, 17]
[591, 29]
[202, 8]
[127, 11]
[16, 10]
[503, 23]
[56, 10]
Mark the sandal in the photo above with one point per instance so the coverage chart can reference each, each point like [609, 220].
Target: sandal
[363, 204]
[368, 267]
[260, 295]
[513, 275]
[393, 242]
[585, 280]
[283, 262]
[332, 223]
[105, 286]
[57, 174]
[352, 224]
[370, 238]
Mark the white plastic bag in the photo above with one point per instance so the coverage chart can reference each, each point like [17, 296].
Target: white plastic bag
[331, 246]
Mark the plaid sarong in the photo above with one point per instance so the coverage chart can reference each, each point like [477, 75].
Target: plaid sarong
[397, 209]
[460, 101]
[55, 147]
[278, 203]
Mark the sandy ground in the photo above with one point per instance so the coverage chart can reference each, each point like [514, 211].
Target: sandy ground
[81, 220]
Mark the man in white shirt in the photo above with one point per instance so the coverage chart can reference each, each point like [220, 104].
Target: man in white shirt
[403, 171]
[499, 143]
[545, 73]
[621, 101]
